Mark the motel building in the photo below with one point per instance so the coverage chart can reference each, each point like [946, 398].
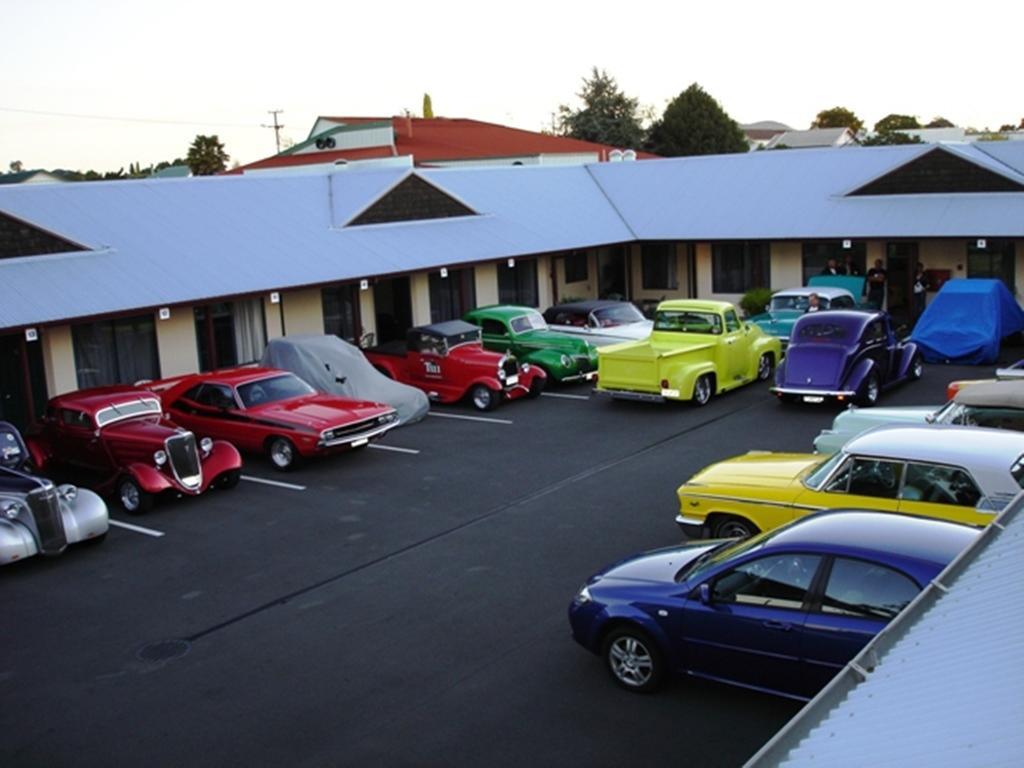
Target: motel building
[115, 282]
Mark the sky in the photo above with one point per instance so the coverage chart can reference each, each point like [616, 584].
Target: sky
[170, 70]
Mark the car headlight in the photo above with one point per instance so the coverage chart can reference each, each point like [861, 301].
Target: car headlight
[526, 367]
[501, 374]
[10, 509]
[68, 493]
[566, 361]
[206, 445]
[160, 458]
[583, 596]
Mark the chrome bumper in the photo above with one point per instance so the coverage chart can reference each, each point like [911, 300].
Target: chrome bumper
[693, 527]
[358, 437]
[626, 394]
[812, 392]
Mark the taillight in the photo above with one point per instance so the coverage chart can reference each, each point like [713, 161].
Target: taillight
[664, 383]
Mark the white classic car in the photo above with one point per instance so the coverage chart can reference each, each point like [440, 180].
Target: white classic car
[998, 404]
[601, 322]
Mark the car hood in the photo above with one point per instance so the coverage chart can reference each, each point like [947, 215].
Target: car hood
[319, 411]
[859, 419]
[817, 365]
[476, 355]
[756, 470]
[658, 566]
[145, 429]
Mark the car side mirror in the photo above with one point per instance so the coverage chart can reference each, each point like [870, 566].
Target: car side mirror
[704, 593]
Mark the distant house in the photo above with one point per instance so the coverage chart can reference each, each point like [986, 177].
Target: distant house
[760, 133]
[37, 176]
[172, 172]
[434, 142]
[814, 137]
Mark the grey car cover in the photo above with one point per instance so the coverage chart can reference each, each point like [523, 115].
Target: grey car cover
[331, 365]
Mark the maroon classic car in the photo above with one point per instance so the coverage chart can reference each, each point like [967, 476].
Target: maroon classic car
[274, 412]
[447, 361]
[117, 439]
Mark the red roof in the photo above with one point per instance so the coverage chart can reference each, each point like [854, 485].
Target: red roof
[441, 138]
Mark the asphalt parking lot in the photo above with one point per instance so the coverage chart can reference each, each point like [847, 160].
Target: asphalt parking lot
[391, 607]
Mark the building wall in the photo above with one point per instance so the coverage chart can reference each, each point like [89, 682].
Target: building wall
[59, 360]
[485, 277]
[272, 315]
[303, 311]
[544, 294]
[578, 289]
[636, 275]
[176, 343]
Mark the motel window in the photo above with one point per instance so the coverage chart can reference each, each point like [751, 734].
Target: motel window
[816, 256]
[119, 351]
[576, 267]
[341, 311]
[738, 267]
[451, 297]
[230, 333]
[518, 284]
[658, 267]
[996, 260]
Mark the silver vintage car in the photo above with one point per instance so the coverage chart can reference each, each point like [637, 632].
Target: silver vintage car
[37, 517]
[997, 404]
[601, 321]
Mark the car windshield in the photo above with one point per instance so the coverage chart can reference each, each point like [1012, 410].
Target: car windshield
[819, 473]
[687, 321]
[822, 332]
[620, 314]
[797, 302]
[531, 321]
[1018, 471]
[465, 337]
[272, 389]
[142, 406]
[720, 553]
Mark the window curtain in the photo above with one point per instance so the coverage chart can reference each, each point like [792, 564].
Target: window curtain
[116, 352]
[250, 330]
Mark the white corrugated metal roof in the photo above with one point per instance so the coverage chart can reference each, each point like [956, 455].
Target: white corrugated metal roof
[947, 680]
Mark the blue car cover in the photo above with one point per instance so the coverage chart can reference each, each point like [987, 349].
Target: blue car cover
[966, 321]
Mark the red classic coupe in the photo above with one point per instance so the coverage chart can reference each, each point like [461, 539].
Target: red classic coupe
[274, 412]
[448, 361]
[117, 439]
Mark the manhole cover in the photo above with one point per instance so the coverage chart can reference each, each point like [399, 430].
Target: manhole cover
[164, 650]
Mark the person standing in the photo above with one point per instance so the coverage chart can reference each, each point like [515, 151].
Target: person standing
[832, 268]
[876, 285]
[920, 291]
[850, 266]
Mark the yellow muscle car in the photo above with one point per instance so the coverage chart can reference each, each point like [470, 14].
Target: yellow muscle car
[962, 474]
[697, 349]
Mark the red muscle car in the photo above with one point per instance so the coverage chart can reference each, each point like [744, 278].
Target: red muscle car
[447, 360]
[274, 412]
[117, 439]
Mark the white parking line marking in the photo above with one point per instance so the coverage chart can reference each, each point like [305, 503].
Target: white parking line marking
[277, 483]
[394, 448]
[468, 418]
[136, 528]
[567, 397]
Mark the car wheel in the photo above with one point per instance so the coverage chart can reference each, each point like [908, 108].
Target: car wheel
[229, 479]
[134, 500]
[282, 454]
[916, 368]
[634, 661]
[483, 397]
[537, 386]
[703, 390]
[764, 367]
[730, 527]
[869, 391]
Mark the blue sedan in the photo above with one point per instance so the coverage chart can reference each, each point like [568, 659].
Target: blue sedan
[781, 612]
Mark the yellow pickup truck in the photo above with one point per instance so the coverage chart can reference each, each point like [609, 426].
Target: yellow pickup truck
[697, 349]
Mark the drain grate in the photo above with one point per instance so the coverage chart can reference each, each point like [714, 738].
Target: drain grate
[164, 650]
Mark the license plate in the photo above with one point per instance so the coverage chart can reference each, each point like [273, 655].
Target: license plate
[511, 381]
[670, 393]
[360, 441]
[814, 399]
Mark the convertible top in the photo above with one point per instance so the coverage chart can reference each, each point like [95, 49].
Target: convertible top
[331, 365]
[966, 321]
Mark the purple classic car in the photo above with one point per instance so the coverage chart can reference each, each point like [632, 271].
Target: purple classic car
[844, 356]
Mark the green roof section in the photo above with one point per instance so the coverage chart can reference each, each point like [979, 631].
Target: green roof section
[311, 141]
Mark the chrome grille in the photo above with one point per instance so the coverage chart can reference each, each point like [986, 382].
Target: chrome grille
[44, 505]
[584, 363]
[356, 429]
[183, 456]
[510, 366]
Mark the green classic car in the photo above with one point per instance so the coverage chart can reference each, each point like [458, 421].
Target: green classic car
[523, 332]
[697, 349]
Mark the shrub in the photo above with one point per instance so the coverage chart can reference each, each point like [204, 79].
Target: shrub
[755, 300]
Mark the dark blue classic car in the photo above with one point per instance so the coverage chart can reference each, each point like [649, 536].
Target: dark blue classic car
[781, 612]
[844, 356]
[37, 517]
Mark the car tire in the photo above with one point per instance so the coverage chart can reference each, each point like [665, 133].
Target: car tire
[732, 527]
[916, 370]
[282, 453]
[537, 386]
[869, 391]
[633, 659]
[133, 499]
[765, 365]
[703, 389]
[229, 479]
[483, 397]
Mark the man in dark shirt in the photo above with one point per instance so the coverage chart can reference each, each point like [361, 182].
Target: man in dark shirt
[831, 268]
[876, 285]
[850, 266]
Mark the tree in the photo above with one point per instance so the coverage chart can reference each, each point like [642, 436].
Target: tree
[608, 115]
[889, 138]
[695, 124]
[838, 117]
[16, 166]
[206, 156]
[894, 122]
[428, 107]
[939, 122]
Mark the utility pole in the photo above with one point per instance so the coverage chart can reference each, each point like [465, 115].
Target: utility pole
[276, 126]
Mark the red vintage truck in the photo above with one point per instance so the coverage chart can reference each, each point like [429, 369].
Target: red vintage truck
[448, 361]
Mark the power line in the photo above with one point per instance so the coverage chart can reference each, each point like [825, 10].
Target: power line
[125, 119]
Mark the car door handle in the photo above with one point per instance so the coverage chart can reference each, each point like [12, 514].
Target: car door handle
[730, 341]
[783, 626]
